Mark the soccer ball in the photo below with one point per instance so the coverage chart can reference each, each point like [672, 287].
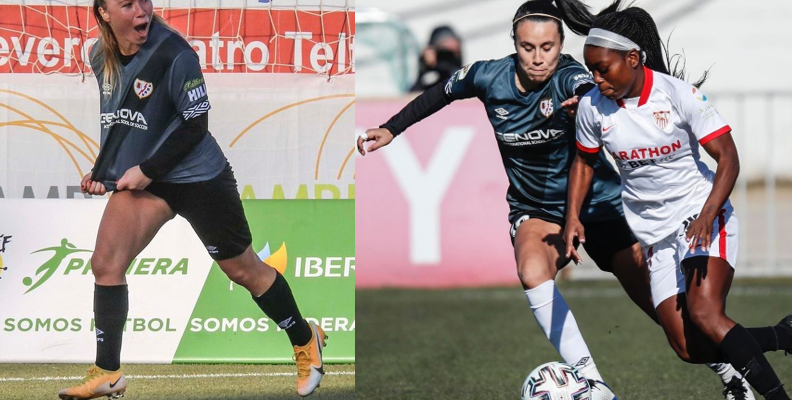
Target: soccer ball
[555, 381]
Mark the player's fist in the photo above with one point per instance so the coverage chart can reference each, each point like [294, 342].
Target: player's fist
[133, 179]
[380, 137]
[92, 187]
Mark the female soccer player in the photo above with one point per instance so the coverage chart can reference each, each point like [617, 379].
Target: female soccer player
[521, 94]
[160, 159]
[654, 126]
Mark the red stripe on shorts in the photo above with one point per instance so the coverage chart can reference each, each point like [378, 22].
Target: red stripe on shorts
[722, 233]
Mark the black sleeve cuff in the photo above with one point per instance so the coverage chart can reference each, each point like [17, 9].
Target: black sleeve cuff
[584, 88]
[176, 147]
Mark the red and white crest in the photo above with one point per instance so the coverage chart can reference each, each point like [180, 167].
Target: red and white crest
[546, 107]
[143, 89]
[662, 119]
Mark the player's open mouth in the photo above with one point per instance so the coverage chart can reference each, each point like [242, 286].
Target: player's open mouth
[142, 29]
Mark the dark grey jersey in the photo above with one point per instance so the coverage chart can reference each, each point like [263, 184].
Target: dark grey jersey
[157, 91]
[536, 137]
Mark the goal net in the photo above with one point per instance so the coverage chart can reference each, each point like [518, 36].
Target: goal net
[229, 36]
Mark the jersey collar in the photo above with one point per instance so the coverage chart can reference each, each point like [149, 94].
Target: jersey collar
[647, 89]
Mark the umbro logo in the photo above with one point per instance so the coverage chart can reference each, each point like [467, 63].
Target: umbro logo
[286, 324]
[583, 361]
[502, 113]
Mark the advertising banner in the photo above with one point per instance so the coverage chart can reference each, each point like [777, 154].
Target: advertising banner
[431, 208]
[182, 307]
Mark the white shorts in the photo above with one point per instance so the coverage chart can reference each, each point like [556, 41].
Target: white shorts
[664, 258]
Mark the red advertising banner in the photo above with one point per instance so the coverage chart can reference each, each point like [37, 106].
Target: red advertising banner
[47, 39]
[431, 207]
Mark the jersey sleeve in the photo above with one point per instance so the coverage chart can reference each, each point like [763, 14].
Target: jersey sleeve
[187, 86]
[704, 120]
[462, 84]
[573, 78]
[588, 133]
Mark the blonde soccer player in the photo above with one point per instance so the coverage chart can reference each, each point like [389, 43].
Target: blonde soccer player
[159, 158]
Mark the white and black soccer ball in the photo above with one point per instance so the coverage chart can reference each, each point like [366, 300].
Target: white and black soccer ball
[555, 381]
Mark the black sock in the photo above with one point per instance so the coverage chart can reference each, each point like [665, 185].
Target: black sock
[766, 337]
[111, 306]
[772, 338]
[278, 303]
[784, 337]
[745, 354]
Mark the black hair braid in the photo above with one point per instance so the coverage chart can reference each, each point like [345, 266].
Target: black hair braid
[576, 15]
[637, 25]
[647, 36]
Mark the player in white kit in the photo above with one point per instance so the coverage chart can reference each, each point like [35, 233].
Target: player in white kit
[655, 125]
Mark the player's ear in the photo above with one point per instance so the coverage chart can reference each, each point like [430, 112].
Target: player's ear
[633, 59]
[105, 15]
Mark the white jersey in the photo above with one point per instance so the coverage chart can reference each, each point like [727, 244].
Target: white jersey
[655, 141]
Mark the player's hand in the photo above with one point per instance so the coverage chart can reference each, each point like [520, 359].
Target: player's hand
[92, 187]
[380, 137]
[699, 233]
[574, 229]
[133, 179]
[571, 105]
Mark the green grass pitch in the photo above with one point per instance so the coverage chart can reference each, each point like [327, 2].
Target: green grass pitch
[481, 343]
[180, 382]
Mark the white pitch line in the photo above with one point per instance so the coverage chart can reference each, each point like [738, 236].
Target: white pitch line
[184, 376]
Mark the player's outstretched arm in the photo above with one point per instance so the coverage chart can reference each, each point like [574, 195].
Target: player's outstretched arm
[580, 176]
[426, 104]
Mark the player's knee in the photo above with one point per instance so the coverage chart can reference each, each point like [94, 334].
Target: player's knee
[533, 277]
[703, 318]
[237, 275]
[105, 265]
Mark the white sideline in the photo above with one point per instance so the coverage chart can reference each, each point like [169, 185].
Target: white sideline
[184, 376]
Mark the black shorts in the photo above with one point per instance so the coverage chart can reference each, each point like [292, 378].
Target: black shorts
[214, 210]
[603, 238]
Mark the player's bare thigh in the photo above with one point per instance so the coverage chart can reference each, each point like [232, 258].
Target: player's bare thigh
[539, 250]
[130, 221]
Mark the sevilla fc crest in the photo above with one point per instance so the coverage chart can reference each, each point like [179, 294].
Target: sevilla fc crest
[662, 119]
[143, 89]
[546, 107]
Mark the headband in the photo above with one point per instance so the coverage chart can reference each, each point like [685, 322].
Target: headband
[536, 14]
[610, 40]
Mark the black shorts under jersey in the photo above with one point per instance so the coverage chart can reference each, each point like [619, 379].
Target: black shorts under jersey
[214, 210]
[603, 238]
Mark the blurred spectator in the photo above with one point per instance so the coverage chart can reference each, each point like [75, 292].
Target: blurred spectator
[440, 59]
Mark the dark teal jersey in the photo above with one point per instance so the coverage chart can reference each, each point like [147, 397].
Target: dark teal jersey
[536, 137]
[157, 91]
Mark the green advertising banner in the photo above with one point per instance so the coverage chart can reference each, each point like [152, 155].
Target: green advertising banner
[312, 243]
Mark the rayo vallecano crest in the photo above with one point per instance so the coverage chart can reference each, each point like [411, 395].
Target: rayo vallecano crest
[546, 107]
[662, 118]
[143, 89]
